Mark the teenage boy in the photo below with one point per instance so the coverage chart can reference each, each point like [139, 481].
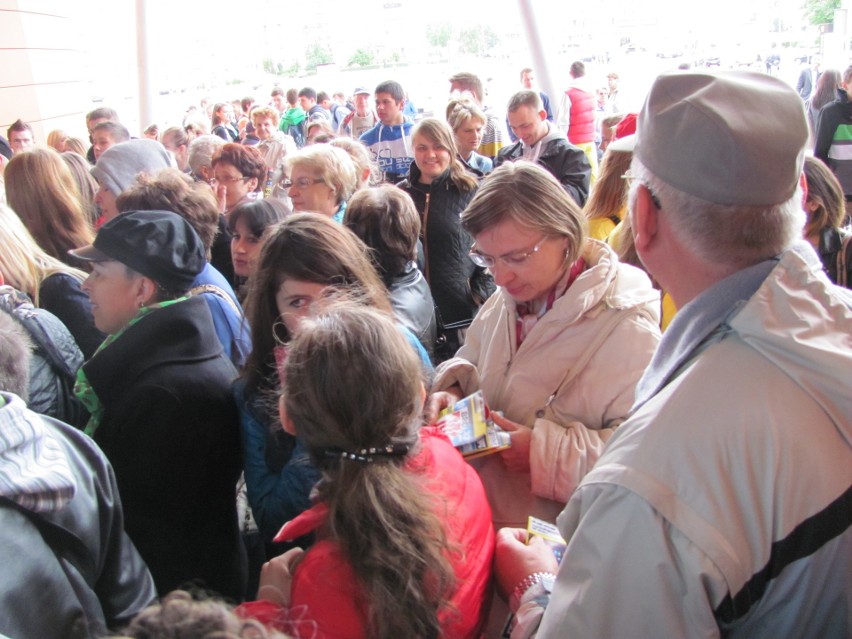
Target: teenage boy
[390, 140]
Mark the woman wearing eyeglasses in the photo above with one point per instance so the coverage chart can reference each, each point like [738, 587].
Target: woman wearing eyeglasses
[322, 179]
[239, 174]
[558, 349]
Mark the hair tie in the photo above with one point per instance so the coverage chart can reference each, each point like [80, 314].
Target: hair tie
[367, 455]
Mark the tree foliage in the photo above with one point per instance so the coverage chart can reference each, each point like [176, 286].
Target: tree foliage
[438, 34]
[361, 58]
[478, 40]
[316, 55]
[820, 11]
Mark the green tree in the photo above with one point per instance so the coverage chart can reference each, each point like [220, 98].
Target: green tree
[820, 11]
[317, 55]
[478, 40]
[361, 58]
[438, 34]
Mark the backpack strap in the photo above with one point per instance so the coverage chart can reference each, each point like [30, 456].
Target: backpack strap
[215, 290]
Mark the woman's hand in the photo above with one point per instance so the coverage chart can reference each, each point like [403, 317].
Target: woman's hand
[276, 577]
[517, 457]
[438, 401]
[222, 196]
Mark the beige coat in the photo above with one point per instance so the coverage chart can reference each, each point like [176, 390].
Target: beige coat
[572, 379]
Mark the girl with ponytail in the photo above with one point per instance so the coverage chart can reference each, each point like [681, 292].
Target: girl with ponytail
[405, 541]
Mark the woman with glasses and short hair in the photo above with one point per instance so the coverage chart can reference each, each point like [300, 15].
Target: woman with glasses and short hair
[239, 174]
[558, 349]
[322, 179]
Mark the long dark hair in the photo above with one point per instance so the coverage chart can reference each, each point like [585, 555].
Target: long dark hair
[380, 513]
[311, 248]
[826, 89]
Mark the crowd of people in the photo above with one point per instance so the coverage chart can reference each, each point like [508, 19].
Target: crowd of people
[224, 350]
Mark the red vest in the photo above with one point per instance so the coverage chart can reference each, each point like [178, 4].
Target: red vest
[581, 128]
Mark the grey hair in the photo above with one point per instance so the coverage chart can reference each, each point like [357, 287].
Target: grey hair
[201, 151]
[735, 235]
[332, 165]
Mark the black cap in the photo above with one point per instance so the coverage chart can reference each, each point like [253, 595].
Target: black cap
[160, 245]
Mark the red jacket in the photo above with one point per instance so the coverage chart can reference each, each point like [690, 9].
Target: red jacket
[327, 602]
[581, 127]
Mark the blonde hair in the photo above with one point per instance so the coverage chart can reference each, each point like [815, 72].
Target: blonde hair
[56, 139]
[332, 165]
[76, 145]
[88, 186]
[438, 133]
[265, 112]
[364, 164]
[462, 110]
[609, 194]
[531, 197]
[42, 191]
[23, 263]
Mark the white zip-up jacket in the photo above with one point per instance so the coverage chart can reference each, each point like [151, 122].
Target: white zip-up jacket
[572, 379]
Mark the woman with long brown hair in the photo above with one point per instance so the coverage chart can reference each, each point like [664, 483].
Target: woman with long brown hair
[441, 188]
[305, 257]
[41, 190]
[402, 520]
[826, 209]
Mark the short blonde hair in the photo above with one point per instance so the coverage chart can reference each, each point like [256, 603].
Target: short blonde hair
[331, 165]
[462, 110]
[530, 196]
[265, 112]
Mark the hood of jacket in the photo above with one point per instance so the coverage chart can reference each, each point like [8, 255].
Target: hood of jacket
[294, 116]
[803, 324]
[553, 133]
[34, 472]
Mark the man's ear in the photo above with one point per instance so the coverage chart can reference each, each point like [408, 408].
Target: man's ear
[644, 218]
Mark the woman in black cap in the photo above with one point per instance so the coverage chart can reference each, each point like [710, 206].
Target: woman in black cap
[158, 390]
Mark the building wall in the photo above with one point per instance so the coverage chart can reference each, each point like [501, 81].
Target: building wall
[42, 75]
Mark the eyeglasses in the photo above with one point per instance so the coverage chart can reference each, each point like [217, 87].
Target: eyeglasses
[214, 181]
[512, 260]
[302, 183]
[630, 177]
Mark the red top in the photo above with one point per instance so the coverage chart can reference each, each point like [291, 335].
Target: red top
[581, 127]
[327, 602]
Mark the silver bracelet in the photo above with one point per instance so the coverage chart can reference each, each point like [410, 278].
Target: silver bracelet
[546, 579]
